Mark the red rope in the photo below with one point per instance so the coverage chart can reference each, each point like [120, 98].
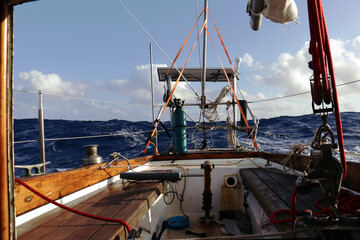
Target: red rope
[347, 204]
[323, 67]
[293, 210]
[283, 220]
[125, 224]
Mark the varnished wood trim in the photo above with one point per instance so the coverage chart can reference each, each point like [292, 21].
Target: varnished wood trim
[17, 2]
[60, 184]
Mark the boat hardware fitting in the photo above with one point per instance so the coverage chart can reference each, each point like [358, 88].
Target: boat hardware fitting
[163, 176]
[207, 194]
[327, 170]
[92, 156]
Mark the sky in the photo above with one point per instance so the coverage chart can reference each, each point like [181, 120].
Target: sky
[93, 49]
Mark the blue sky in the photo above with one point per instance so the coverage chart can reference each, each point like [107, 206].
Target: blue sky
[94, 49]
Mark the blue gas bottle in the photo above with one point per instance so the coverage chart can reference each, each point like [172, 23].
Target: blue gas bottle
[180, 137]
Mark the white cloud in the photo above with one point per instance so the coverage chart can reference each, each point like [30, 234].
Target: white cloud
[248, 60]
[356, 43]
[119, 83]
[288, 74]
[137, 88]
[134, 90]
[50, 83]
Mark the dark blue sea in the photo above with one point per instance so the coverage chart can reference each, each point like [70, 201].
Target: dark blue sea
[275, 135]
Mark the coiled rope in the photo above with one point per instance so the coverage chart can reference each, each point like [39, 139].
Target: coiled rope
[232, 140]
[211, 113]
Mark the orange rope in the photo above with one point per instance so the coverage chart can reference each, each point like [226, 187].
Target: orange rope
[222, 42]
[232, 89]
[173, 90]
[184, 43]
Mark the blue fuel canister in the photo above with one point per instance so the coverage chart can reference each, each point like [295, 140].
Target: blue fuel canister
[180, 137]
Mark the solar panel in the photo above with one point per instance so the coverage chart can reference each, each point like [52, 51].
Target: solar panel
[195, 74]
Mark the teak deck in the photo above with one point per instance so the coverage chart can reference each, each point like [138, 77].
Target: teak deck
[273, 190]
[128, 203]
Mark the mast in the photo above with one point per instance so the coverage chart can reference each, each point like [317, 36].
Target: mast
[203, 79]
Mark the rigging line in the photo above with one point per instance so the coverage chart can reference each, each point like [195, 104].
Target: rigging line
[157, 45]
[173, 90]
[276, 98]
[89, 99]
[232, 89]
[297, 94]
[232, 67]
[222, 42]
[197, 25]
[182, 47]
[84, 137]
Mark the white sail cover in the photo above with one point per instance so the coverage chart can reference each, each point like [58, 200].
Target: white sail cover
[280, 11]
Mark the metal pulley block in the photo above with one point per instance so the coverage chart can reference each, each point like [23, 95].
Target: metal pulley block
[323, 135]
[318, 104]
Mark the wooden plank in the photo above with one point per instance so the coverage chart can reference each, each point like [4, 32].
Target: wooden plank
[299, 161]
[17, 2]
[278, 188]
[309, 199]
[55, 186]
[51, 222]
[68, 220]
[111, 202]
[110, 205]
[352, 179]
[60, 184]
[134, 212]
[266, 198]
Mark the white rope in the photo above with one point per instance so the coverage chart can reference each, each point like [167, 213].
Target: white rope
[232, 140]
[297, 147]
[211, 113]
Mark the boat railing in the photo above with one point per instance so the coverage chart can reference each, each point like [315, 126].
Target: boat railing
[40, 168]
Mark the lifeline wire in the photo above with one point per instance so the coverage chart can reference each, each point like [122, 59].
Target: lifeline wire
[297, 94]
[89, 99]
[153, 40]
[159, 105]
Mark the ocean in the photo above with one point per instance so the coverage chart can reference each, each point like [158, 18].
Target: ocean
[277, 134]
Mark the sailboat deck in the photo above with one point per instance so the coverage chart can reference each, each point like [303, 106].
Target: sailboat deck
[273, 189]
[128, 203]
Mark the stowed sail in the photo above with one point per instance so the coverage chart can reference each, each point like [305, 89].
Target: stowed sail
[278, 11]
